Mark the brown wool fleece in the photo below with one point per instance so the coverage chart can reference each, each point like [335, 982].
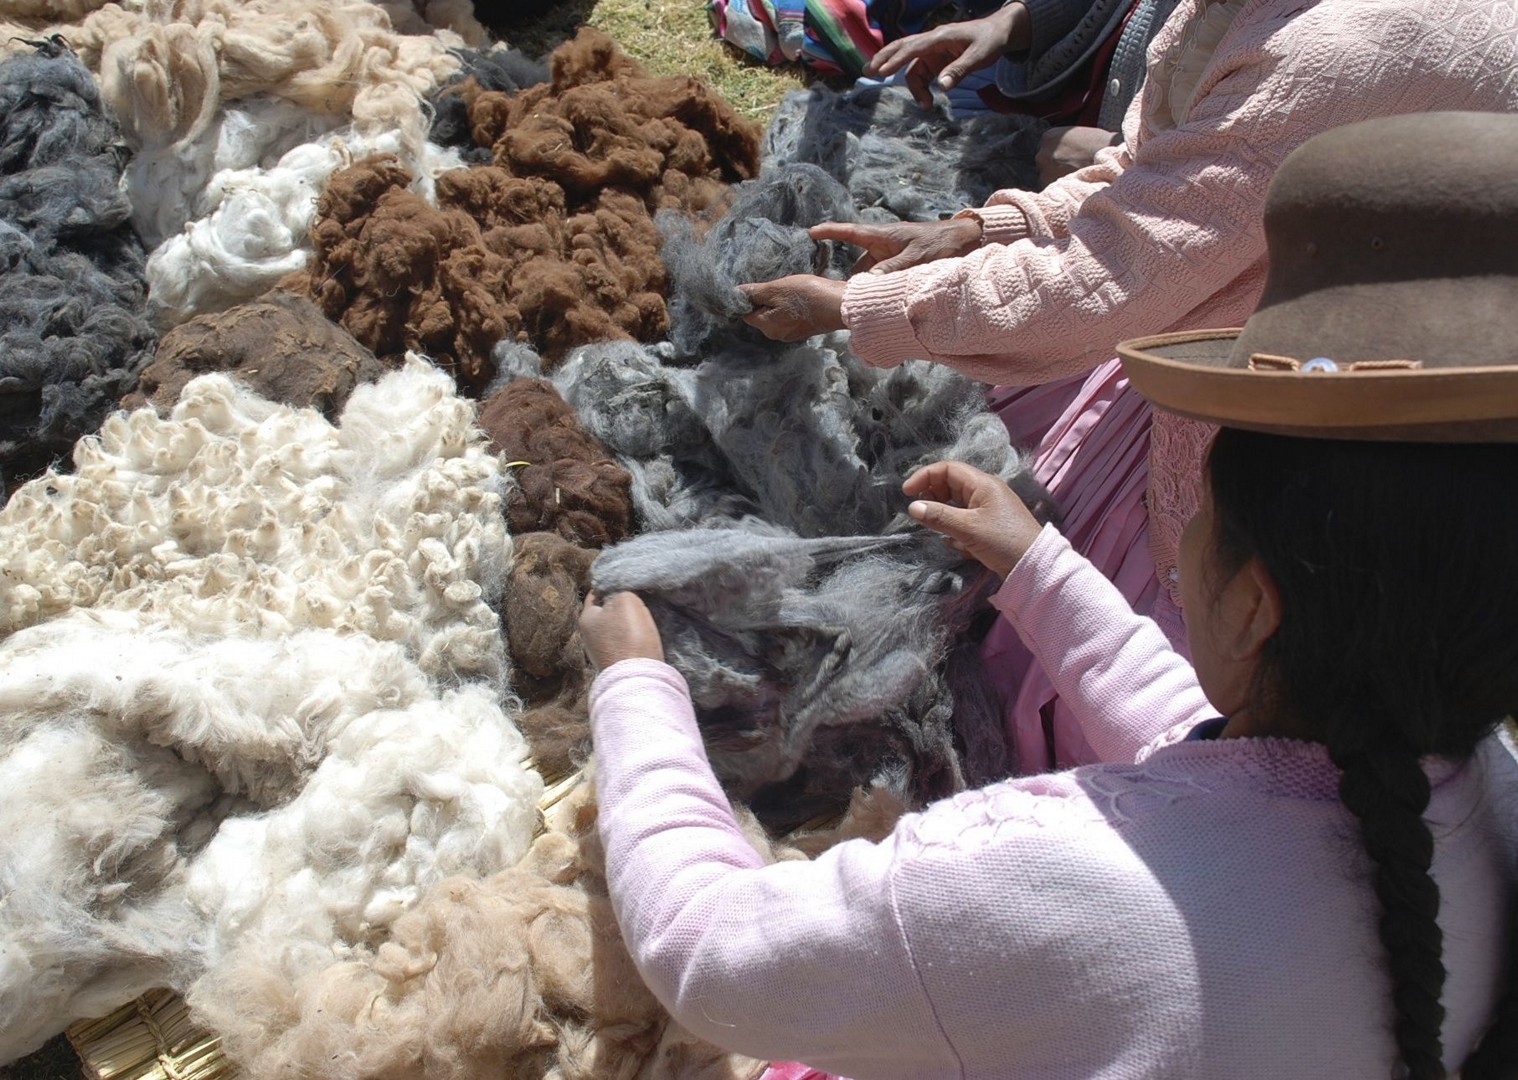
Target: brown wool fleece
[565, 479]
[523, 974]
[281, 346]
[554, 244]
[540, 611]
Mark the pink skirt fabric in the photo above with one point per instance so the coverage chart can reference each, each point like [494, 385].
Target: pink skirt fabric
[1090, 440]
[790, 1070]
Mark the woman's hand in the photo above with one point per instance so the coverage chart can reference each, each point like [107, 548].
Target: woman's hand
[904, 243]
[952, 51]
[979, 513]
[796, 307]
[618, 629]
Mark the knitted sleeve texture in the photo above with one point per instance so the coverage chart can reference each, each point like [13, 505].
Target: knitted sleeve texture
[813, 961]
[1170, 232]
[1116, 670]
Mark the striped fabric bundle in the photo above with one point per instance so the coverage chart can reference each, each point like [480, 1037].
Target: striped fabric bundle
[835, 37]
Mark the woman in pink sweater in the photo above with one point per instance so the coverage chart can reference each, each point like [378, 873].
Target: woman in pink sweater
[1162, 233]
[1298, 857]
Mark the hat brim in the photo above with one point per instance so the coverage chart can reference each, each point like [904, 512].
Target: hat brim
[1188, 373]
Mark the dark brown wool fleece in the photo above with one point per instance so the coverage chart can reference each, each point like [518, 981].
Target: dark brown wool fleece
[281, 345]
[540, 612]
[554, 244]
[565, 480]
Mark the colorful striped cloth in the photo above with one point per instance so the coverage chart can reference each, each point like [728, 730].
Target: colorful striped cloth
[835, 37]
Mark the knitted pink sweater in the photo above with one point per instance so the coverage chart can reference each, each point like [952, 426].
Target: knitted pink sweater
[1193, 909]
[1164, 232]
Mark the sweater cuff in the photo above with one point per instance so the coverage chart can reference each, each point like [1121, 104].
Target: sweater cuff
[1002, 223]
[1030, 577]
[626, 677]
[880, 328]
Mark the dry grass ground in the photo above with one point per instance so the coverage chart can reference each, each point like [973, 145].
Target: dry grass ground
[669, 37]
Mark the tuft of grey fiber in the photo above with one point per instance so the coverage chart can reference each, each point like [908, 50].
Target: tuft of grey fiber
[898, 160]
[761, 236]
[73, 331]
[825, 637]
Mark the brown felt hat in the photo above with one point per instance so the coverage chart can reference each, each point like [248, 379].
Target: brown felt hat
[1391, 307]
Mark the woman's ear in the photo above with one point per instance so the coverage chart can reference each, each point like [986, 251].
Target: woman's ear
[1253, 611]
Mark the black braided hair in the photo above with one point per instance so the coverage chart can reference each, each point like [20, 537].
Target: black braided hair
[1398, 576]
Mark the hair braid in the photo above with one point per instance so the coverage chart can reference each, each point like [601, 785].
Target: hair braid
[1388, 791]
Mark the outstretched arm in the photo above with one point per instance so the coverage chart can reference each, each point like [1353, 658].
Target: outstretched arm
[1116, 671]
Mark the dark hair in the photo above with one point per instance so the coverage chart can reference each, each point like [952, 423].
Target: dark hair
[1398, 639]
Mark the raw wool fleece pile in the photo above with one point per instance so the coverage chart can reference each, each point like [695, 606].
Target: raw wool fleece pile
[561, 478]
[167, 66]
[899, 161]
[824, 636]
[233, 209]
[250, 696]
[282, 347]
[761, 236]
[523, 974]
[566, 498]
[499, 69]
[555, 242]
[73, 335]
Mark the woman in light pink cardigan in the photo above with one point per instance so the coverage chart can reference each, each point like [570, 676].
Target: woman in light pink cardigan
[1163, 232]
[1197, 906]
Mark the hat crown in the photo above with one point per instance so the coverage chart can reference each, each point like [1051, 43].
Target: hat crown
[1431, 196]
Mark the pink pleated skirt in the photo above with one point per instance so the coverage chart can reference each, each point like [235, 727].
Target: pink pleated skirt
[1090, 439]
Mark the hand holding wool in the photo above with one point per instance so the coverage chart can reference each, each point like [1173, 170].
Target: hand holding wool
[620, 628]
[795, 308]
[903, 244]
[978, 513]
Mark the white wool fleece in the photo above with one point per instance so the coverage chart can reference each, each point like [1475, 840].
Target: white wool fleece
[226, 810]
[252, 694]
[234, 512]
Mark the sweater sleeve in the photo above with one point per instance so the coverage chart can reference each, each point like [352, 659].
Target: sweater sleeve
[1156, 235]
[1115, 669]
[772, 961]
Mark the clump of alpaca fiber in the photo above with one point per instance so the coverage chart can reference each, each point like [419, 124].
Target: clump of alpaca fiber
[239, 513]
[563, 479]
[176, 795]
[282, 347]
[165, 69]
[521, 974]
[554, 244]
[501, 69]
[899, 161]
[761, 236]
[73, 335]
[550, 672]
[244, 227]
[780, 636]
[816, 624]
[428, 16]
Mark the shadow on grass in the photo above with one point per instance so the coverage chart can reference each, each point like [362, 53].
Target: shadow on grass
[537, 27]
[55, 1061]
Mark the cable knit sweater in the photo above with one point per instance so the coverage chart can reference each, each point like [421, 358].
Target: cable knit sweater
[1164, 231]
[1192, 909]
